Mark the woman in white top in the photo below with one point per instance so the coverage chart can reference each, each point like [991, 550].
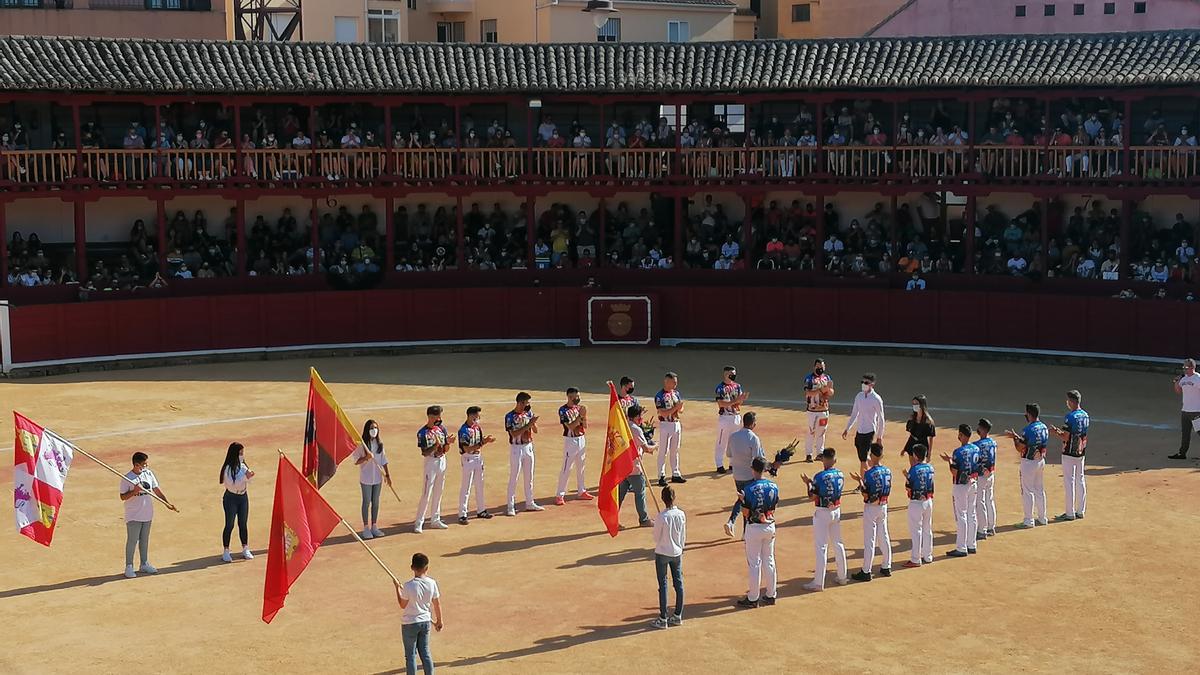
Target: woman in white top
[372, 472]
[235, 477]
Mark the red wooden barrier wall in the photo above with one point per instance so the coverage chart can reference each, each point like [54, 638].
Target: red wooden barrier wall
[1013, 320]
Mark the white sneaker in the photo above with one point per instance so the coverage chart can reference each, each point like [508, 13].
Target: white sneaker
[814, 586]
[366, 534]
[510, 511]
[438, 524]
[149, 569]
[225, 557]
[842, 581]
[129, 573]
[418, 528]
[534, 506]
[247, 555]
[728, 529]
[376, 532]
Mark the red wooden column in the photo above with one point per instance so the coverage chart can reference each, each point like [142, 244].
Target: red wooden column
[676, 162]
[530, 133]
[747, 230]
[678, 255]
[970, 163]
[602, 233]
[314, 239]
[894, 235]
[81, 262]
[1127, 207]
[160, 229]
[239, 167]
[240, 222]
[159, 165]
[3, 243]
[389, 236]
[819, 249]
[78, 124]
[386, 144]
[1126, 141]
[458, 138]
[460, 229]
[1045, 243]
[969, 237]
[530, 230]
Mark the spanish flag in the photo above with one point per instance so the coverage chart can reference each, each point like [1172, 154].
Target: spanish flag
[300, 521]
[619, 459]
[329, 437]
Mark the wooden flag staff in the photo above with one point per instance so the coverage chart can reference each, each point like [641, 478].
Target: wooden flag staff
[123, 477]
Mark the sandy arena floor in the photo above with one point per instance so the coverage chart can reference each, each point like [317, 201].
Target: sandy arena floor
[549, 592]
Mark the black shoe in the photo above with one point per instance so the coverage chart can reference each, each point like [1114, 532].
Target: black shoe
[720, 469]
[766, 600]
[678, 479]
[808, 460]
[972, 551]
[956, 554]
[462, 520]
[861, 576]
[885, 571]
[747, 603]
[662, 481]
[1178, 455]
[483, 514]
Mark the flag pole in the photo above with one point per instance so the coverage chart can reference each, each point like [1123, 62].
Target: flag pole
[122, 476]
[647, 487]
[373, 555]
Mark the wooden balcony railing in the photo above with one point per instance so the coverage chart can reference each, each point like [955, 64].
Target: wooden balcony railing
[48, 168]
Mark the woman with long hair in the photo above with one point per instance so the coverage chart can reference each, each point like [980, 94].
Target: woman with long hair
[920, 426]
[235, 476]
[372, 473]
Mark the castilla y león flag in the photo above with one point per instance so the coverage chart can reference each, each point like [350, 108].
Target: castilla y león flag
[329, 437]
[618, 462]
[300, 521]
[42, 460]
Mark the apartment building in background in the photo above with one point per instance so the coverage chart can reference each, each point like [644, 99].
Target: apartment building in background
[907, 18]
[519, 21]
[181, 19]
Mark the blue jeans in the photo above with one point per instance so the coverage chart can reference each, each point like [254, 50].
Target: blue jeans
[736, 511]
[416, 641]
[370, 502]
[635, 483]
[661, 563]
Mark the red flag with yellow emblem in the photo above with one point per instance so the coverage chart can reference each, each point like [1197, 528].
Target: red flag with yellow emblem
[300, 521]
[619, 458]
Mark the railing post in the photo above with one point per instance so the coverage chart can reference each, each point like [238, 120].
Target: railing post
[239, 159]
[819, 249]
[386, 144]
[1127, 206]
[530, 231]
[75, 121]
[1045, 242]
[314, 239]
[678, 159]
[678, 256]
[747, 230]
[971, 159]
[602, 241]
[1126, 136]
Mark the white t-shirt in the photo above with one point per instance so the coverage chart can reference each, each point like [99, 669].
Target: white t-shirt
[369, 473]
[639, 447]
[238, 482]
[1190, 384]
[139, 509]
[420, 593]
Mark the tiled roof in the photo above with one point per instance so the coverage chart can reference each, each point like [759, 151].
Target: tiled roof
[148, 66]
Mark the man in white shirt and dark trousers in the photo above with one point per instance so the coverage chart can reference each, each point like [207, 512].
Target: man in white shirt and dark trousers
[742, 448]
[420, 601]
[1188, 386]
[670, 535]
[866, 418]
[136, 487]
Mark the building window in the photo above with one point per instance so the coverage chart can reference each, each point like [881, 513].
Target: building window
[1079, 9]
[1110, 8]
[801, 13]
[451, 31]
[412, 4]
[678, 31]
[1139, 8]
[610, 31]
[383, 25]
[734, 116]
[668, 111]
[1020, 10]
[345, 29]
[1048, 10]
[21, 3]
[487, 31]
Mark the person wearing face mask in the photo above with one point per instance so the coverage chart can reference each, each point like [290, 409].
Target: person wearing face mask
[1031, 444]
[573, 418]
[470, 446]
[729, 396]
[373, 471]
[521, 425]
[669, 404]
[135, 490]
[433, 441]
[1187, 385]
[235, 476]
[627, 399]
[964, 470]
[818, 389]
[866, 417]
[920, 426]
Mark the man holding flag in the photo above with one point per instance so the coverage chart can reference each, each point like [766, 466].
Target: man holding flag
[635, 482]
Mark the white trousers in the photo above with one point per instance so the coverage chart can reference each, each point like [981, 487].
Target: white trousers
[985, 505]
[726, 425]
[760, 557]
[472, 475]
[814, 443]
[965, 519]
[1074, 487]
[574, 455]
[431, 492]
[827, 533]
[920, 528]
[1033, 488]
[669, 436]
[875, 534]
[520, 461]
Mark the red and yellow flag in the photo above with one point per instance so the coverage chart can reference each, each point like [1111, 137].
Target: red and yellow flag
[300, 521]
[41, 462]
[619, 459]
[329, 437]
